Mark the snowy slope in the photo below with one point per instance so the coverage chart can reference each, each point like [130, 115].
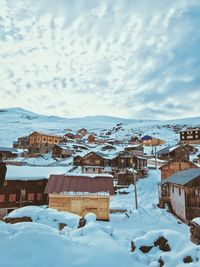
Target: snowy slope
[16, 122]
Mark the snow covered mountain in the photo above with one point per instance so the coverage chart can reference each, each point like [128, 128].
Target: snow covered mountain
[16, 122]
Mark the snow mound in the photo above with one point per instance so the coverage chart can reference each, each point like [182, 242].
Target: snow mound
[32, 244]
[45, 215]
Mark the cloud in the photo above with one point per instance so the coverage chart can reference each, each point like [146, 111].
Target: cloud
[136, 59]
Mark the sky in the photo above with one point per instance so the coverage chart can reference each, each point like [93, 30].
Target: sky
[124, 58]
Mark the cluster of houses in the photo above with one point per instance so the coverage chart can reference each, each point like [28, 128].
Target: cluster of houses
[99, 174]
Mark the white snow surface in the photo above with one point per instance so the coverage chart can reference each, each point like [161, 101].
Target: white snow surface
[31, 173]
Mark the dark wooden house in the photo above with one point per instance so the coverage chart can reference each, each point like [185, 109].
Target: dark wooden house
[22, 142]
[91, 139]
[127, 160]
[190, 136]
[173, 152]
[93, 159]
[181, 192]
[8, 152]
[62, 151]
[174, 166]
[24, 186]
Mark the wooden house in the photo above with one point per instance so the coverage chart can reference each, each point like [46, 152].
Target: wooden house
[123, 161]
[77, 161]
[81, 194]
[190, 136]
[108, 147]
[134, 139]
[148, 140]
[8, 152]
[82, 132]
[94, 159]
[173, 152]
[135, 149]
[22, 142]
[191, 149]
[174, 166]
[42, 142]
[62, 151]
[69, 136]
[24, 186]
[181, 193]
[195, 230]
[91, 139]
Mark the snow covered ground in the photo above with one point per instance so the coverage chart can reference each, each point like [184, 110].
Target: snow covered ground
[102, 243]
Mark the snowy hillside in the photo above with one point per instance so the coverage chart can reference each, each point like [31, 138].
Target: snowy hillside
[16, 122]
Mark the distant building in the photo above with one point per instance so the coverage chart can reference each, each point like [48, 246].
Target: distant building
[190, 136]
[181, 192]
[22, 142]
[42, 142]
[91, 138]
[82, 131]
[62, 151]
[148, 140]
[173, 152]
[8, 152]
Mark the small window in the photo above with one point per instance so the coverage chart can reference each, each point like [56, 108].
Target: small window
[93, 169]
[31, 196]
[39, 196]
[179, 191]
[86, 169]
[12, 197]
[2, 198]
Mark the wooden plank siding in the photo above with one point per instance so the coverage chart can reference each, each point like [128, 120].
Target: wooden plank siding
[82, 204]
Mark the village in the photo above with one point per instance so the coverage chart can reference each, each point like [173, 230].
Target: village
[85, 173]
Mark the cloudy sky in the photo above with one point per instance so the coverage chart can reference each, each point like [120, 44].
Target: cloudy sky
[125, 58]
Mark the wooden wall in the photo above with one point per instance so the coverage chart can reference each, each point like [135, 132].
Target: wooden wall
[81, 205]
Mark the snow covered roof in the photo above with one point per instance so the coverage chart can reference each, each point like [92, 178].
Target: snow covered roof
[9, 149]
[182, 177]
[196, 220]
[167, 150]
[31, 173]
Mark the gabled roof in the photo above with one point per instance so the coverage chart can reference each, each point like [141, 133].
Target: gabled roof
[168, 149]
[47, 134]
[9, 149]
[175, 160]
[146, 137]
[183, 177]
[80, 183]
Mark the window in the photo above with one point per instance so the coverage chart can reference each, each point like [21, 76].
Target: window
[97, 161]
[86, 169]
[39, 196]
[2, 198]
[12, 197]
[31, 196]
[172, 189]
[93, 169]
[179, 191]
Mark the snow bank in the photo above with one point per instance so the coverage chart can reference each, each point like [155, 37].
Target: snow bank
[32, 244]
[47, 216]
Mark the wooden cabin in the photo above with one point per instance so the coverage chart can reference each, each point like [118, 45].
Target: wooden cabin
[93, 159]
[77, 161]
[8, 152]
[195, 230]
[173, 152]
[148, 140]
[128, 160]
[42, 142]
[24, 186]
[181, 193]
[22, 142]
[190, 136]
[82, 132]
[127, 178]
[81, 194]
[91, 139]
[174, 166]
[191, 149]
[62, 151]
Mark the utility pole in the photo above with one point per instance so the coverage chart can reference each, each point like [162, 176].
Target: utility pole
[156, 162]
[135, 188]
